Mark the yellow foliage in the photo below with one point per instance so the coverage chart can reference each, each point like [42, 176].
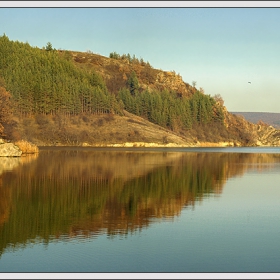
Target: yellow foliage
[27, 147]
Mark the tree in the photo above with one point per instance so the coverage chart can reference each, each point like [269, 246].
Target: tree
[114, 55]
[218, 98]
[2, 82]
[49, 47]
[5, 108]
[132, 83]
[96, 80]
[201, 90]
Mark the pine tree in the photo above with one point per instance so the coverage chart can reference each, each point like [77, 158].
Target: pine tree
[49, 47]
[133, 83]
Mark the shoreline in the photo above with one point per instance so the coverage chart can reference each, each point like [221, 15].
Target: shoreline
[146, 145]
[158, 145]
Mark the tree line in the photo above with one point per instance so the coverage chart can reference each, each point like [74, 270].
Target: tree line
[169, 109]
[42, 81]
[129, 58]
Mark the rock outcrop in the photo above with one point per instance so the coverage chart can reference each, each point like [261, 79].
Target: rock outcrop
[9, 149]
[268, 136]
[253, 134]
[172, 81]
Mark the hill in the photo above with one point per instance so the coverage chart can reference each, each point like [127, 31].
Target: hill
[62, 97]
[272, 119]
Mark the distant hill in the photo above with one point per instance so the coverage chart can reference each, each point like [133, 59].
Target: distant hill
[272, 119]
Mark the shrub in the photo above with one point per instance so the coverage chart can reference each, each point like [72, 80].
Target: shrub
[41, 119]
[27, 147]
[85, 119]
[109, 117]
[100, 122]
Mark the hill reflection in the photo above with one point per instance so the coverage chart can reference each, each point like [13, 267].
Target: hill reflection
[66, 193]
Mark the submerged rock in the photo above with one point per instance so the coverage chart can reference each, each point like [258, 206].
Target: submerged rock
[9, 150]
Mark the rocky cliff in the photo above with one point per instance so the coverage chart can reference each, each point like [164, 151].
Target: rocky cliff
[268, 136]
[253, 134]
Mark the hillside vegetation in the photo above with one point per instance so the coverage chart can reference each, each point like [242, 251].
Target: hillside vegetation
[55, 97]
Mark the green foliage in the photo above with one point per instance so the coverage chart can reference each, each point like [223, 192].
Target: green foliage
[47, 82]
[49, 47]
[168, 110]
[133, 83]
[5, 109]
[114, 55]
[131, 59]
[44, 82]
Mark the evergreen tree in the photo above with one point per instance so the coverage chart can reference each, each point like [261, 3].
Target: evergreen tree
[49, 47]
[133, 83]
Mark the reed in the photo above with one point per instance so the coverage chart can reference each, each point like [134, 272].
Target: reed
[27, 147]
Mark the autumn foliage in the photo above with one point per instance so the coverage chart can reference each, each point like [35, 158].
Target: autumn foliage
[5, 108]
[27, 147]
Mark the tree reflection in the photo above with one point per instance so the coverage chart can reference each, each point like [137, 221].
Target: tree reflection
[65, 193]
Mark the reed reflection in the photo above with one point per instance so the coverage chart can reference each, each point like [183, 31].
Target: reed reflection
[68, 193]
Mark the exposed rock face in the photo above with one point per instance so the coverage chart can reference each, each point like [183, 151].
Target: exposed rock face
[172, 81]
[256, 135]
[268, 136]
[9, 150]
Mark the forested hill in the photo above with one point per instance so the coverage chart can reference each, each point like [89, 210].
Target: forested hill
[51, 96]
[47, 82]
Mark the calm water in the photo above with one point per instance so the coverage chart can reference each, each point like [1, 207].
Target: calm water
[141, 210]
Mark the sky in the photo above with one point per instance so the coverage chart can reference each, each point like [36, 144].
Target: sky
[220, 48]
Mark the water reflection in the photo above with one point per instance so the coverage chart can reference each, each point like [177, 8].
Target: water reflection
[84, 193]
[10, 163]
[7, 164]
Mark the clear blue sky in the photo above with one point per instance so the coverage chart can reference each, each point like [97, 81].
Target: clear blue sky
[222, 49]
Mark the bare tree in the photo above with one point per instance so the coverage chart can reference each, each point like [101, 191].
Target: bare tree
[218, 98]
[193, 83]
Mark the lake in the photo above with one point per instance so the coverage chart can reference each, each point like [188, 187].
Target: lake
[141, 210]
